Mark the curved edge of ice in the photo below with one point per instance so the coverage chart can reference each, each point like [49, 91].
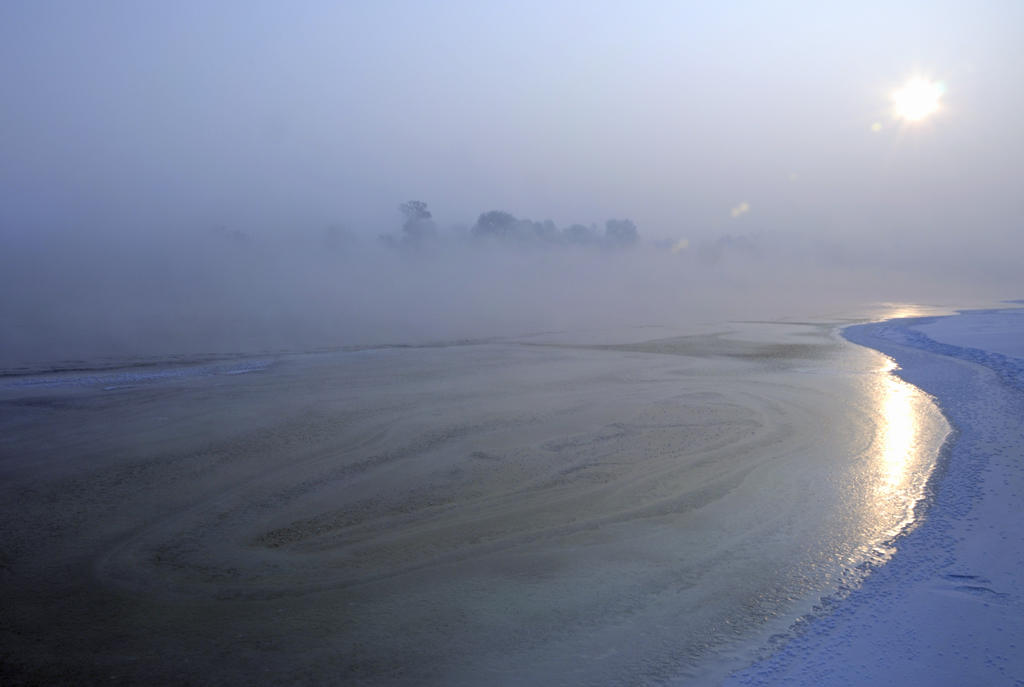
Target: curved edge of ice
[944, 609]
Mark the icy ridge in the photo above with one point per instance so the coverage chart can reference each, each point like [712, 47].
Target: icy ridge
[119, 379]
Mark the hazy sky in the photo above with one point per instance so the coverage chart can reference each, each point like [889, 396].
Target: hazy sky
[149, 118]
[670, 113]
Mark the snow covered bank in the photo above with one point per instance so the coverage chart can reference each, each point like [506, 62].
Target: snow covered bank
[949, 608]
[993, 331]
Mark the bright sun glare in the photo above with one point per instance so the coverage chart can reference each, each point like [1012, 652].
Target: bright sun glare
[917, 99]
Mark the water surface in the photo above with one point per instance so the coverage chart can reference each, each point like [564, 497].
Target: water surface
[557, 509]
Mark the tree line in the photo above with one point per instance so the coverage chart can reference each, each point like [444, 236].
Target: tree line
[499, 226]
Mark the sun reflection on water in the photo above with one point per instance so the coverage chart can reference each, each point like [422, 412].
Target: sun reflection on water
[898, 431]
[900, 469]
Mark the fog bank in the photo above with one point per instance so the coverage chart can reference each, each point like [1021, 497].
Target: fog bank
[67, 295]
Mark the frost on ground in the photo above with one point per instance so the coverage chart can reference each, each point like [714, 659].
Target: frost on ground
[949, 608]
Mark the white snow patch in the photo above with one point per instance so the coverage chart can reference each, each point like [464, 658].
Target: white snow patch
[996, 331]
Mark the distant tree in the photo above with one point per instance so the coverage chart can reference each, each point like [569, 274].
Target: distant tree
[579, 233]
[546, 231]
[496, 223]
[620, 232]
[415, 210]
[418, 224]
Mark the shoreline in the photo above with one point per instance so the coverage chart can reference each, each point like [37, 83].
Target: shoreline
[946, 609]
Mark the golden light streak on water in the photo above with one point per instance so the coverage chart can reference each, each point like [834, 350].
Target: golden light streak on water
[892, 311]
[898, 432]
[900, 468]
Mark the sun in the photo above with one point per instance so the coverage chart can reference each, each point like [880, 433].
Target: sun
[917, 99]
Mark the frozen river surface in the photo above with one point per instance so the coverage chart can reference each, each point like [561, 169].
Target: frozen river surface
[551, 510]
[949, 608]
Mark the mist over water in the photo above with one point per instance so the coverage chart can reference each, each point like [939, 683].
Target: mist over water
[223, 291]
[217, 179]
